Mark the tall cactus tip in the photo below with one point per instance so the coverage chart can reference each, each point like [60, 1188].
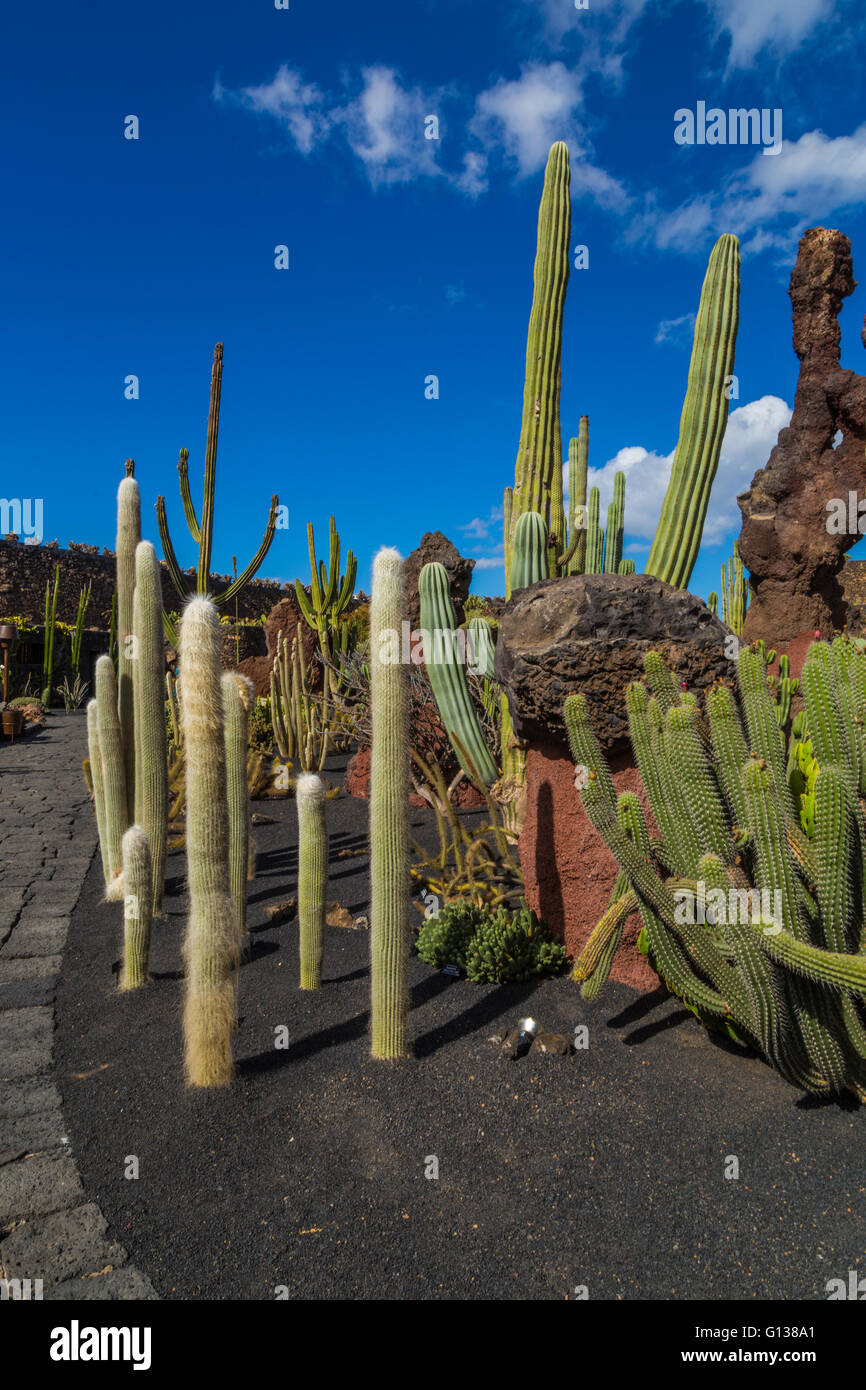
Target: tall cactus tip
[310, 788]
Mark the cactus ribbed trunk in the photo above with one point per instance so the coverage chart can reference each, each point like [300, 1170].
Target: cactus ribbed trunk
[538, 474]
[113, 773]
[238, 699]
[578, 472]
[312, 876]
[138, 892]
[211, 942]
[447, 675]
[151, 767]
[704, 420]
[98, 785]
[389, 805]
[128, 537]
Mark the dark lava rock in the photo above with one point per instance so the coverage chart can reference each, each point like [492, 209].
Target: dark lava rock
[435, 546]
[588, 634]
[793, 561]
[511, 1048]
[556, 1044]
[285, 617]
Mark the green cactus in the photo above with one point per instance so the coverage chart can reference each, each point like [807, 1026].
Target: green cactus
[448, 676]
[626, 566]
[713, 603]
[113, 774]
[615, 523]
[704, 418]
[778, 957]
[239, 697]
[482, 647]
[329, 597]
[538, 472]
[594, 535]
[128, 537]
[389, 804]
[138, 896]
[529, 561]
[147, 664]
[50, 633]
[312, 876]
[578, 473]
[202, 531]
[735, 592]
[98, 786]
[212, 941]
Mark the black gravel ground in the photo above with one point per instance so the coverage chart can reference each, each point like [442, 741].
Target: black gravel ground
[605, 1170]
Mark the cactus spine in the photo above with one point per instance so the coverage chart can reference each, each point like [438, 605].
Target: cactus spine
[538, 474]
[138, 895]
[148, 663]
[98, 785]
[578, 472]
[113, 773]
[594, 535]
[238, 699]
[389, 801]
[128, 537]
[704, 418]
[211, 944]
[529, 561]
[312, 876]
[447, 674]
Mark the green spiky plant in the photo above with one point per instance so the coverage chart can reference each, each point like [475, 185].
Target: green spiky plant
[735, 592]
[151, 753]
[538, 472]
[704, 419]
[312, 876]
[212, 941]
[128, 537]
[389, 804]
[113, 774]
[754, 926]
[329, 597]
[615, 524]
[626, 566]
[448, 676]
[137, 900]
[202, 530]
[50, 632]
[594, 535]
[713, 603]
[239, 697]
[76, 637]
[95, 766]
[578, 473]
[529, 559]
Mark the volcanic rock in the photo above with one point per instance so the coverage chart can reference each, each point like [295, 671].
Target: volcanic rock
[588, 634]
[792, 559]
[435, 546]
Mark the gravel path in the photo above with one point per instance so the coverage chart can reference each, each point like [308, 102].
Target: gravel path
[49, 1231]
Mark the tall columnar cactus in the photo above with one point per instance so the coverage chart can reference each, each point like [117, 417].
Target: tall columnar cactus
[312, 876]
[578, 472]
[389, 804]
[50, 633]
[211, 944]
[704, 419]
[594, 535]
[529, 561]
[538, 474]
[713, 603]
[148, 668]
[202, 531]
[128, 537]
[137, 899]
[447, 672]
[98, 785]
[615, 525]
[239, 697]
[626, 566]
[757, 927]
[113, 773]
[330, 595]
[735, 592]
[507, 509]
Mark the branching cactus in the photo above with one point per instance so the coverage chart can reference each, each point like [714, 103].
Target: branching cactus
[113, 774]
[312, 876]
[389, 805]
[148, 665]
[128, 537]
[137, 895]
[211, 945]
[238, 699]
[98, 785]
[753, 923]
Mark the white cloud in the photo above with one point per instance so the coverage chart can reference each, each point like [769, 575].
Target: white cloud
[781, 25]
[528, 114]
[479, 529]
[675, 330]
[296, 104]
[489, 562]
[751, 433]
[385, 128]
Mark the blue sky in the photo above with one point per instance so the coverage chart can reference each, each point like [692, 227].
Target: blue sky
[408, 257]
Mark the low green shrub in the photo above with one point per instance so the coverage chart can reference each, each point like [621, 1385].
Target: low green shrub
[492, 947]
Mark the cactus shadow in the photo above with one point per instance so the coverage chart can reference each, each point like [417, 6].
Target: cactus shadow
[263, 1062]
[492, 1007]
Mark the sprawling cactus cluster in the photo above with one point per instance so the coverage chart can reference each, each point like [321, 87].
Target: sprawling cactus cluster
[757, 927]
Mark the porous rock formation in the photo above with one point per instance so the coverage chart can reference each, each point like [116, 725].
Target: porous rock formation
[434, 546]
[792, 559]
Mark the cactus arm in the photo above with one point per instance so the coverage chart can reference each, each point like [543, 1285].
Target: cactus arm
[448, 676]
[183, 588]
[186, 496]
[704, 418]
[210, 456]
[247, 574]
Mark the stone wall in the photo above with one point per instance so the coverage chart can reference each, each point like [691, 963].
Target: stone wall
[24, 570]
